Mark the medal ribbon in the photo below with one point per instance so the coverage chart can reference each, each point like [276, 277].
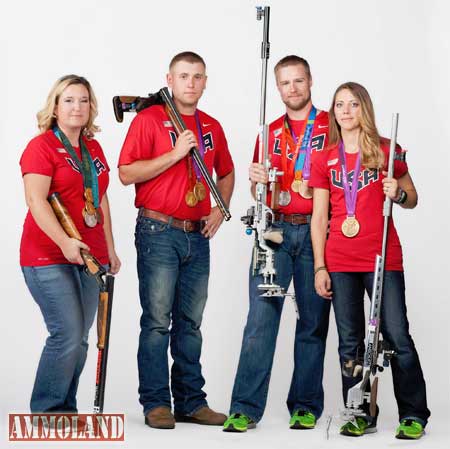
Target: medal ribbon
[350, 192]
[86, 165]
[301, 157]
[306, 144]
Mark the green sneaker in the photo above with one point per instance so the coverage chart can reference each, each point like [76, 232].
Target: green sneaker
[302, 419]
[350, 429]
[237, 422]
[409, 429]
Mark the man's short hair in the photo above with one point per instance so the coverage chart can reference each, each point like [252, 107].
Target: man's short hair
[292, 60]
[187, 56]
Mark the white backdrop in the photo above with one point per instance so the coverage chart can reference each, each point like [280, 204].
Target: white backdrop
[398, 49]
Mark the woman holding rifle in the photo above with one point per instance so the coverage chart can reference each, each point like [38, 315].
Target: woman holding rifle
[351, 179]
[65, 158]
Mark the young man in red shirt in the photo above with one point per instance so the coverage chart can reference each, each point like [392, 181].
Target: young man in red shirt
[295, 140]
[174, 225]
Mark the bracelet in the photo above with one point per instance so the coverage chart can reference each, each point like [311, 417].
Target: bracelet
[401, 198]
[323, 267]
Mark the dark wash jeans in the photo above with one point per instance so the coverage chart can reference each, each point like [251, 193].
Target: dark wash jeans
[293, 260]
[348, 303]
[173, 271]
[68, 300]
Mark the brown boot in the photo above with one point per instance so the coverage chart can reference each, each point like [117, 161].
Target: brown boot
[204, 416]
[160, 418]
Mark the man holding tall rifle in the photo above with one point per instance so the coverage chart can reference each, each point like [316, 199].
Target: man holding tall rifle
[174, 225]
[294, 141]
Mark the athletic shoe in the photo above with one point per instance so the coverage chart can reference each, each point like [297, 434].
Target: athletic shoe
[409, 429]
[237, 422]
[302, 419]
[361, 427]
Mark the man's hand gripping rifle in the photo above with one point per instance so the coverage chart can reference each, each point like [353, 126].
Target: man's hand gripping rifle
[378, 354]
[105, 282]
[260, 217]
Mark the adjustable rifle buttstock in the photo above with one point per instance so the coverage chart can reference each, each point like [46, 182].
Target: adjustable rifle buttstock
[376, 348]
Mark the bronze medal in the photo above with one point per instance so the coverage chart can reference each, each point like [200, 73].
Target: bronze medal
[296, 184]
[90, 209]
[88, 195]
[191, 199]
[305, 191]
[285, 198]
[350, 227]
[89, 219]
[199, 191]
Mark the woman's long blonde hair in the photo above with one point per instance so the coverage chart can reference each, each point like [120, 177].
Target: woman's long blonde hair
[369, 140]
[46, 117]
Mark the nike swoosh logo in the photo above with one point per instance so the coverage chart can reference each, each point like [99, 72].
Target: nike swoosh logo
[332, 162]
[206, 124]
[322, 126]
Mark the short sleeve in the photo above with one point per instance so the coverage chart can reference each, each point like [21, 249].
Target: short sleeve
[37, 158]
[139, 140]
[319, 172]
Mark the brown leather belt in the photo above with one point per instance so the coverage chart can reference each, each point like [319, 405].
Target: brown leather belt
[295, 219]
[185, 225]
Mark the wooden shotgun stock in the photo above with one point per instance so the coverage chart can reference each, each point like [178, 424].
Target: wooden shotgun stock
[93, 268]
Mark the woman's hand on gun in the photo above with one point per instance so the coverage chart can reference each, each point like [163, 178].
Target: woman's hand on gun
[71, 248]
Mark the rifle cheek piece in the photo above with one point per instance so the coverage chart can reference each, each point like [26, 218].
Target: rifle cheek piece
[352, 368]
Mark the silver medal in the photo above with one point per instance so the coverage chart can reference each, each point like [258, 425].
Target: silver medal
[284, 198]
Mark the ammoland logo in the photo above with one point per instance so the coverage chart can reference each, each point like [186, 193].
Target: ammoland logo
[66, 427]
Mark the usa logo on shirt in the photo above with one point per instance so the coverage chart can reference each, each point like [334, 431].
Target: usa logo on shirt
[98, 164]
[208, 141]
[366, 178]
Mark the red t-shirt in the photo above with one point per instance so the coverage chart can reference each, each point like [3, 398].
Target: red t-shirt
[45, 155]
[298, 204]
[357, 254]
[152, 134]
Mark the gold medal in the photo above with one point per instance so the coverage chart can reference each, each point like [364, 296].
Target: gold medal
[305, 191]
[191, 199]
[199, 191]
[350, 227]
[88, 195]
[296, 184]
[90, 209]
[89, 219]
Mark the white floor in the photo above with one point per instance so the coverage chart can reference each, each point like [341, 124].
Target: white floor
[273, 432]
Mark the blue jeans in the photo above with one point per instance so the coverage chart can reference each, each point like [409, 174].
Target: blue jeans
[173, 271]
[293, 259]
[348, 303]
[68, 300]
